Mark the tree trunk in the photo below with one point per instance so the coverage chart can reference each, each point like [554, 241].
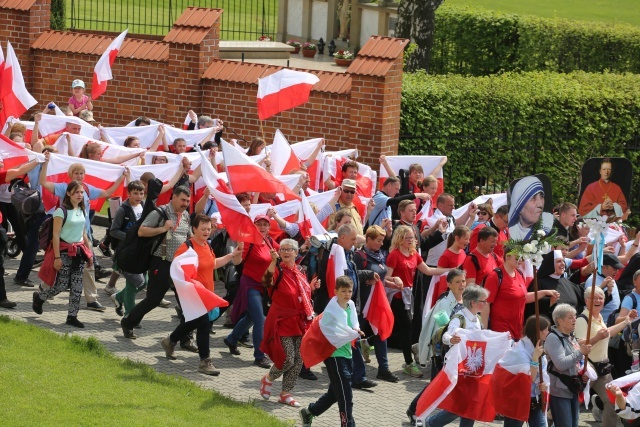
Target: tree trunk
[416, 20]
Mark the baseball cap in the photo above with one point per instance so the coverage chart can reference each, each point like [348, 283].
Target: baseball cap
[259, 217]
[349, 183]
[87, 116]
[77, 83]
[612, 260]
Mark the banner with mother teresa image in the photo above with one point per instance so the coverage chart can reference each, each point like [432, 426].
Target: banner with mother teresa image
[605, 186]
[530, 206]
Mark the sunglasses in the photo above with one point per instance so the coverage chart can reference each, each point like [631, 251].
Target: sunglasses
[483, 213]
[349, 191]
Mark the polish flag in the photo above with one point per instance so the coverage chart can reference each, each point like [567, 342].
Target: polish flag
[463, 387]
[211, 177]
[109, 151]
[12, 120]
[102, 71]
[187, 122]
[15, 98]
[51, 127]
[307, 220]
[425, 212]
[428, 163]
[328, 332]
[246, 175]
[195, 299]
[631, 393]
[283, 158]
[336, 267]
[13, 155]
[378, 311]
[288, 211]
[163, 171]
[511, 383]
[283, 90]
[98, 174]
[145, 134]
[303, 150]
[192, 137]
[365, 179]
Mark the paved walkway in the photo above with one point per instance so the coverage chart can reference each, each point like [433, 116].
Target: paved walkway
[385, 405]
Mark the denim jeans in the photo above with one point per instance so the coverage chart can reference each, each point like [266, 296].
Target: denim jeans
[443, 418]
[339, 371]
[254, 316]
[565, 412]
[536, 419]
[31, 249]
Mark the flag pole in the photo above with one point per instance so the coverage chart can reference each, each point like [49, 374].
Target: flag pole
[262, 130]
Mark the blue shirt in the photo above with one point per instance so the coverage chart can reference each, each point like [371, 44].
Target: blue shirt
[380, 211]
[627, 302]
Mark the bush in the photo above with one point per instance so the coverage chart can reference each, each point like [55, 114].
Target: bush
[498, 128]
[58, 15]
[474, 42]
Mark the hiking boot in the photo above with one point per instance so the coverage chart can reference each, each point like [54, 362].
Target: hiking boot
[189, 346]
[412, 370]
[106, 250]
[207, 368]
[169, 348]
[37, 303]
[262, 363]
[128, 333]
[233, 349]
[5, 303]
[26, 282]
[306, 417]
[365, 384]
[73, 321]
[387, 375]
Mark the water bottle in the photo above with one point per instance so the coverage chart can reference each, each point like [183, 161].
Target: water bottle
[635, 365]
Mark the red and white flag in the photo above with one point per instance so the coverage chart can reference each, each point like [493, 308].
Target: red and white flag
[109, 151]
[210, 176]
[308, 221]
[187, 122]
[195, 299]
[13, 155]
[191, 137]
[428, 163]
[328, 332]
[378, 311]
[336, 267]
[102, 71]
[463, 387]
[145, 134]
[283, 90]
[51, 127]
[15, 97]
[246, 175]
[12, 120]
[304, 150]
[628, 385]
[98, 174]
[283, 158]
[424, 212]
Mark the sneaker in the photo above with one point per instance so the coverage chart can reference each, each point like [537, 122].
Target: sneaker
[416, 353]
[106, 250]
[595, 411]
[412, 370]
[169, 348]
[5, 303]
[207, 368]
[26, 282]
[37, 303]
[245, 344]
[365, 384]
[366, 351]
[110, 290]
[189, 346]
[164, 303]
[128, 333]
[96, 306]
[263, 363]
[95, 242]
[73, 321]
[233, 349]
[306, 417]
[306, 374]
[119, 308]
[102, 273]
[387, 375]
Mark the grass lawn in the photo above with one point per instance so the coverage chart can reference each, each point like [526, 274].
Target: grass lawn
[241, 20]
[50, 380]
[614, 11]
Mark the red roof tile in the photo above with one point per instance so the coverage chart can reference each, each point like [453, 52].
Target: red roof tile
[198, 17]
[17, 4]
[383, 47]
[249, 73]
[186, 35]
[92, 44]
[370, 66]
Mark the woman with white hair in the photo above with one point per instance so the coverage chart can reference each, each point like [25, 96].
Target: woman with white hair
[599, 340]
[526, 209]
[566, 358]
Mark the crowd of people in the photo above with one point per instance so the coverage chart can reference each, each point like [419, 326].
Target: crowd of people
[441, 273]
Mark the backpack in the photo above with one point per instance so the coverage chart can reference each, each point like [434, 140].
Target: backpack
[438, 347]
[611, 320]
[45, 232]
[127, 222]
[26, 201]
[134, 255]
[476, 264]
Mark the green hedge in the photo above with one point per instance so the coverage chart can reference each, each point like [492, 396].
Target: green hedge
[477, 42]
[58, 15]
[497, 128]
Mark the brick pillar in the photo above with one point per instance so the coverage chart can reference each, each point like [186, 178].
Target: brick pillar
[39, 18]
[184, 91]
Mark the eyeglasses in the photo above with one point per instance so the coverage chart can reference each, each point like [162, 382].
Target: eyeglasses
[349, 191]
[287, 250]
[482, 301]
[483, 213]
[410, 239]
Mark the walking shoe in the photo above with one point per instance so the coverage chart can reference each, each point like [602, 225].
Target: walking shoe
[233, 349]
[366, 351]
[96, 306]
[106, 250]
[110, 290]
[189, 346]
[95, 242]
[263, 363]
[245, 344]
[365, 384]
[5, 303]
[412, 370]
[306, 417]
[26, 282]
[128, 333]
[164, 303]
[73, 321]
[169, 348]
[207, 368]
[306, 374]
[119, 310]
[265, 387]
[102, 273]
[37, 303]
[387, 375]
[416, 353]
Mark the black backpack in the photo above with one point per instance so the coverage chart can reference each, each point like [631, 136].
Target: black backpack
[26, 201]
[128, 221]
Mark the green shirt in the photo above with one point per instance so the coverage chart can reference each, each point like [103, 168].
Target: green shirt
[73, 229]
[345, 350]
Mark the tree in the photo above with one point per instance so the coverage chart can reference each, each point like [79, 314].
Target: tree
[417, 22]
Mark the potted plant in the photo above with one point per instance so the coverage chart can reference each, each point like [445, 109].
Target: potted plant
[309, 50]
[343, 58]
[296, 45]
[264, 39]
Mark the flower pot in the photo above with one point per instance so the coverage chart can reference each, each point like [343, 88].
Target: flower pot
[308, 53]
[296, 50]
[343, 62]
